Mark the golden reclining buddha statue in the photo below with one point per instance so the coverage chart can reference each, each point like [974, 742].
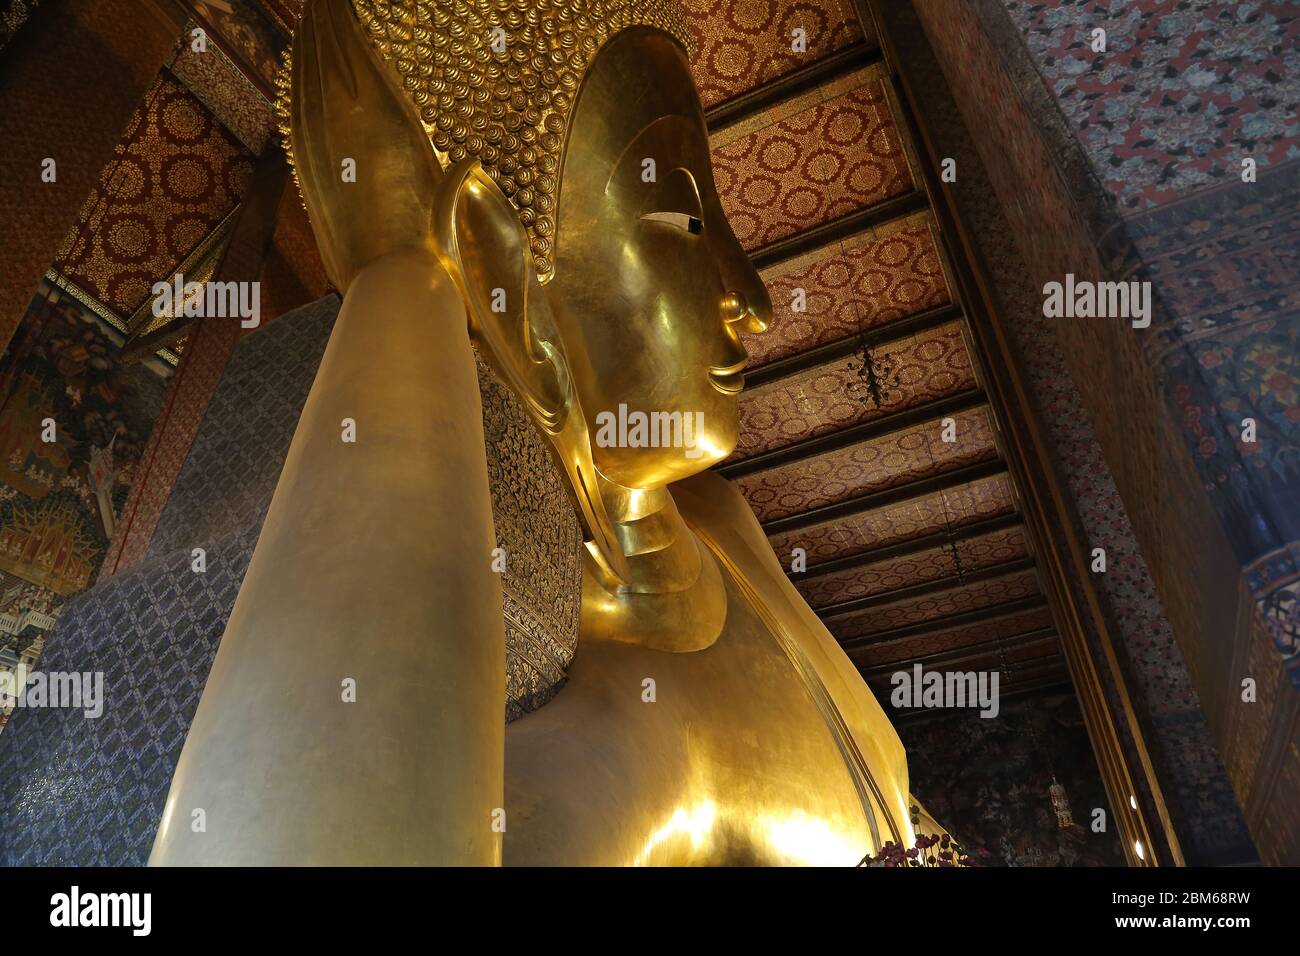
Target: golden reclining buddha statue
[531, 180]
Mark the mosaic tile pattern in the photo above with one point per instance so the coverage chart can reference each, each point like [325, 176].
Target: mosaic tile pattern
[739, 46]
[1185, 90]
[191, 389]
[958, 600]
[931, 565]
[827, 398]
[860, 283]
[1038, 236]
[89, 792]
[70, 114]
[810, 168]
[940, 641]
[914, 518]
[227, 93]
[177, 173]
[76, 791]
[886, 462]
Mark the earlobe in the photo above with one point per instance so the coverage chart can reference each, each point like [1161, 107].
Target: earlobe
[484, 248]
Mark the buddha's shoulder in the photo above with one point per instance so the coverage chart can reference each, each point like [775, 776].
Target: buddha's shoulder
[717, 511]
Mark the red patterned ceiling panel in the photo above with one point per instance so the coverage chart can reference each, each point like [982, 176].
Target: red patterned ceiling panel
[864, 281]
[880, 527]
[895, 459]
[913, 370]
[970, 597]
[938, 642]
[907, 570]
[176, 175]
[825, 161]
[743, 44]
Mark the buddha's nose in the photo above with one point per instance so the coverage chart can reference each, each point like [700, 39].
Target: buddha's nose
[737, 310]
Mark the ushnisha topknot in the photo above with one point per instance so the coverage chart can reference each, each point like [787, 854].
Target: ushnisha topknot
[496, 80]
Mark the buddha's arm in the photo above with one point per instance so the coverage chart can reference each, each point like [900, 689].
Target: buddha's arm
[355, 708]
[715, 507]
[354, 712]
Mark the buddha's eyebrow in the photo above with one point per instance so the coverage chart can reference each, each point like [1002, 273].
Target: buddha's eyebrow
[645, 131]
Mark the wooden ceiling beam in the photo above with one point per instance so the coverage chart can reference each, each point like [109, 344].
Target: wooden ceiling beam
[1014, 673]
[1045, 686]
[871, 338]
[957, 655]
[809, 240]
[752, 102]
[910, 546]
[993, 612]
[857, 605]
[946, 481]
[855, 434]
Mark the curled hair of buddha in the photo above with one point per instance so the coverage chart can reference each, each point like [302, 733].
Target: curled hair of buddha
[496, 81]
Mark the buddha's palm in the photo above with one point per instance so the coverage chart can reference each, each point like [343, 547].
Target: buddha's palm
[364, 162]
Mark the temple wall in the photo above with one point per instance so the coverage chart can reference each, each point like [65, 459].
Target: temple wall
[1098, 183]
[78, 791]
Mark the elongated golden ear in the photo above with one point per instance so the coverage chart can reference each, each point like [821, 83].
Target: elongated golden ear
[484, 247]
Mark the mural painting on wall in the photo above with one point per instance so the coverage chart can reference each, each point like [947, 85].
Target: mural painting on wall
[73, 425]
[248, 33]
[27, 613]
[988, 782]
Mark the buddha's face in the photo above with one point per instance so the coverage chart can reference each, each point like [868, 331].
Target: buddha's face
[651, 287]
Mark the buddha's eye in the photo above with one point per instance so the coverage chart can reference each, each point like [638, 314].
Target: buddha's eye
[691, 224]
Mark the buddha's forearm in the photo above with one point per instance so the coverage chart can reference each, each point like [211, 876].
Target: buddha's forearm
[373, 572]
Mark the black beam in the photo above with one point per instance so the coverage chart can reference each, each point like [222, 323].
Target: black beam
[834, 441]
[739, 108]
[1046, 685]
[832, 351]
[886, 496]
[910, 546]
[837, 229]
[981, 615]
[1011, 672]
[832, 611]
[970, 652]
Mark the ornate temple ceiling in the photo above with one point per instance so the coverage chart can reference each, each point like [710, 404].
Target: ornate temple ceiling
[915, 548]
[167, 200]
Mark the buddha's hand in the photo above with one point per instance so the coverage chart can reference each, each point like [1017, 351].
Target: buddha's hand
[364, 162]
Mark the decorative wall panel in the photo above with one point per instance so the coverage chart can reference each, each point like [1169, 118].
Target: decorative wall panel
[958, 600]
[802, 170]
[59, 500]
[987, 780]
[739, 46]
[860, 283]
[880, 527]
[176, 175]
[931, 565]
[886, 462]
[827, 398]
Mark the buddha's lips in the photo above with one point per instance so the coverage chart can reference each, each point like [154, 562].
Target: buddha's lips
[729, 379]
